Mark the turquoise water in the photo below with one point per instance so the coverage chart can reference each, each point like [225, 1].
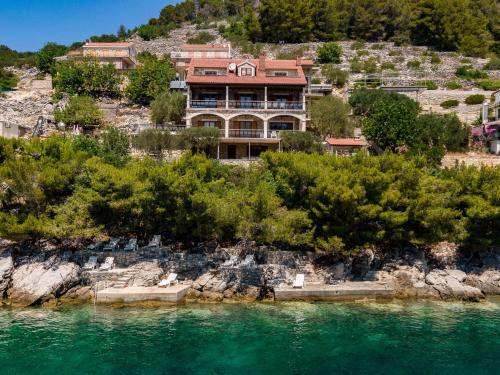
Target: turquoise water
[291, 338]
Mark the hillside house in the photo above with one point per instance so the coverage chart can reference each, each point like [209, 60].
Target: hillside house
[249, 100]
[182, 58]
[489, 132]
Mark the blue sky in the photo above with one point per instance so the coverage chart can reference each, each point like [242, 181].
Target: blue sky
[26, 25]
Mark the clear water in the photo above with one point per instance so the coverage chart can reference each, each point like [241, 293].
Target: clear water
[291, 338]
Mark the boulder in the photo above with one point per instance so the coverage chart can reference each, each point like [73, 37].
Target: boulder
[39, 282]
[146, 274]
[6, 268]
[449, 284]
[78, 294]
[410, 282]
[488, 282]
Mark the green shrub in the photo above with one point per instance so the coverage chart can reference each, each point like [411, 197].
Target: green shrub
[154, 142]
[330, 53]
[430, 85]
[316, 81]
[450, 103]
[493, 64]
[362, 52]
[203, 37]
[45, 58]
[148, 32]
[168, 107]
[465, 61]
[388, 66]
[291, 54]
[489, 84]
[413, 64]
[399, 60]
[358, 44]
[335, 75]
[395, 52]
[8, 80]
[377, 46]
[453, 85]
[300, 142]
[474, 99]
[82, 111]
[469, 73]
[435, 59]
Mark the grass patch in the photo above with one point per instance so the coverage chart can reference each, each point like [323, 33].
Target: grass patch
[450, 103]
[453, 85]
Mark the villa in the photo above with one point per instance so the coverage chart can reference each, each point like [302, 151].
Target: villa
[249, 100]
[120, 54]
[489, 132]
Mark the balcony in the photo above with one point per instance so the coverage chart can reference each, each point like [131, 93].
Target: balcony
[240, 104]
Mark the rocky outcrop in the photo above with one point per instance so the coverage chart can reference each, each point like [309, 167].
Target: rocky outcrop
[39, 282]
[6, 268]
[146, 274]
[488, 281]
[450, 285]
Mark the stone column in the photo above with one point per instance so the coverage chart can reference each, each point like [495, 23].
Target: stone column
[266, 125]
[188, 122]
[303, 126]
[226, 128]
[227, 97]
[188, 104]
[265, 97]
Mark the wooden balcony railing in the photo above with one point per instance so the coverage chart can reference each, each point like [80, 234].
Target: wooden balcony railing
[241, 104]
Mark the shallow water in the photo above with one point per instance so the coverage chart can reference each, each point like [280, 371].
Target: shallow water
[288, 338]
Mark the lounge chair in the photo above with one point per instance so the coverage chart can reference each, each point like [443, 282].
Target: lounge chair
[155, 242]
[96, 246]
[171, 279]
[131, 245]
[112, 245]
[299, 281]
[248, 261]
[91, 264]
[108, 264]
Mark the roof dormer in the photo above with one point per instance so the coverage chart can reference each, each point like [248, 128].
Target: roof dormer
[246, 69]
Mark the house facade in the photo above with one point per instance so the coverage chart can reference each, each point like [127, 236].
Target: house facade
[182, 58]
[250, 101]
[489, 132]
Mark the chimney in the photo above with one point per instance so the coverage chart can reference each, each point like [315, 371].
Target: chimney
[485, 109]
[262, 62]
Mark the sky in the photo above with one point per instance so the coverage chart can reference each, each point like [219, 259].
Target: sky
[26, 25]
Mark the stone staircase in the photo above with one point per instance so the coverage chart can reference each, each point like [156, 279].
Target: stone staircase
[123, 280]
[311, 276]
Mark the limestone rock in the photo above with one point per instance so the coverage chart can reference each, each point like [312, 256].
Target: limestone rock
[78, 294]
[6, 268]
[41, 281]
[449, 285]
[147, 274]
[488, 282]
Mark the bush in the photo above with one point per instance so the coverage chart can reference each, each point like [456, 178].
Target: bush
[330, 53]
[316, 81]
[150, 79]
[450, 103]
[115, 147]
[358, 44]
[300, 142]
[489, 84]
[388, 66]
[377, 46]
[430, 85]
[199, 140]
[493, 64]
[453, 85]
[413, 64]
[82, 111]
[395, 52]
[474, 99]
[291, 54]
[469, 73]
[330, 117]
[362, 52]
[87, 77]
[45, 58]
[8, 80]
[154, 142]
[435, 59]
[335, 75]
[203, 37]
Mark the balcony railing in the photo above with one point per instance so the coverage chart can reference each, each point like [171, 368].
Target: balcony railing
[240, 104]
[246, 133]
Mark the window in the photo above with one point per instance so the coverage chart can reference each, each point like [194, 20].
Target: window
[281, 126]
[210, 72]
[246, 71]
[280, 74]
[210, 124]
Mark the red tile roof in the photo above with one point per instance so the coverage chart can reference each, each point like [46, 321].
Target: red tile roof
[346, 142]
[259, 79]
[108, 44]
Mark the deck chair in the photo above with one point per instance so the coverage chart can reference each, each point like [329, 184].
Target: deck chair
[231, 262]
[299, 281]
[171, 279]
[155, 241]
[248, 261]
[91, 264]
[108, 264]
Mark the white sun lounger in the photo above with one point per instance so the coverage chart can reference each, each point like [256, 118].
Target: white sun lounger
[172, 278]
[91, 264]
[108, 264]
[231, 262]
[299, 281]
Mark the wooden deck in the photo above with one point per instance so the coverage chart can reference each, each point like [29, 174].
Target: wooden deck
[348, 291]
[172, 294]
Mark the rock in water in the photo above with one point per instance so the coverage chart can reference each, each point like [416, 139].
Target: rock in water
[449, 284]
[39, 282]
[6, 268]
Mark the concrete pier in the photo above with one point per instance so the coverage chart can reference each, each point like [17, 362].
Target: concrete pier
[348, 291]
[172, 294]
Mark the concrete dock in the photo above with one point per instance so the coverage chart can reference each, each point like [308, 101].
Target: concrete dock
[348, 291]
[172, 294]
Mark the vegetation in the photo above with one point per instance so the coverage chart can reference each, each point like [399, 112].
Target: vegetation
[168, 107]
[8, 80]
[413, 64]
[300, 142]
[330, 118]
[10, 57]
[430, 85]
[450, 103]
[201, 38]
[335, 75]
[154, 142]
[150, 79]
[45, 58]
[453, 85]
[489, 84]
[64, 188]
[80, 110]
[87, 77]
[474, 99]
[148, 32]
[199, 140]
[330, 53]
[493, 64]
[469, 73]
